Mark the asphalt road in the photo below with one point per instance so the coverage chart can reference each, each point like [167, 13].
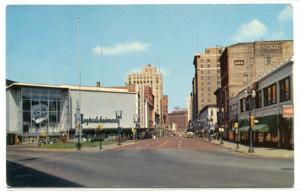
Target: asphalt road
[169, 162]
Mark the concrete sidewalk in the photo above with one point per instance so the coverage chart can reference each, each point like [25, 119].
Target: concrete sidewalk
[32, 147]
[258, 151]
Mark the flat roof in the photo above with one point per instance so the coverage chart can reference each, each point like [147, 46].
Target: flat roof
[73, 87]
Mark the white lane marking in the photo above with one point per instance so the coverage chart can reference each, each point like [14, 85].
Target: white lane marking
[179, 144]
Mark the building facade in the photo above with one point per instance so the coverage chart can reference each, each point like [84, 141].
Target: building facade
[179, 121]
[207, 78]
[242, 63]
[208, 117]
[35, 110]
[152, 77]
[273, 91]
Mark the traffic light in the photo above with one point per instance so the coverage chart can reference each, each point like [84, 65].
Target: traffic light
[252, 121]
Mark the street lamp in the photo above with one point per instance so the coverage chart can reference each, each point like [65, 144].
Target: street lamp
[136, 121]
[118, 117]
[252, 95]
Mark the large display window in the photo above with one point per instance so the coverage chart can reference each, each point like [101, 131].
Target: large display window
[41, 109]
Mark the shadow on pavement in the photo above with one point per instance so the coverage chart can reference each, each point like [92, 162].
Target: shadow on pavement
[18, 175]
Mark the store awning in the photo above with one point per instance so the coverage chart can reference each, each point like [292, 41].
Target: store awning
[260, 128]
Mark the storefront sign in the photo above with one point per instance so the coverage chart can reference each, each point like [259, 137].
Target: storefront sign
[98, 120]
[287, 111]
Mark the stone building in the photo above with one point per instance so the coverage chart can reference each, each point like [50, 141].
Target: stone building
[179, 119]
[207, 78]
[152, 77]
[244, 62]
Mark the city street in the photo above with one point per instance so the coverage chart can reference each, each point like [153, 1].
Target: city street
[167, 162]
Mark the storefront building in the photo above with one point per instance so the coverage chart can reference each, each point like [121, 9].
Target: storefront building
[35, 110]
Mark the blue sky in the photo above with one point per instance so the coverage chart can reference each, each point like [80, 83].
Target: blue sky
[41, 40]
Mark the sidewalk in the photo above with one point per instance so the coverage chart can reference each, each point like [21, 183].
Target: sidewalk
[258, 151]
[85, 149]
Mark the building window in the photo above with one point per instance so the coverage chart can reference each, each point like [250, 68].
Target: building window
[201, 72]
[202, 78]
[258, 99]
[208, 60]
[242, 105]
[202, 83]
[207, 51]
[208, 65]
[269, 61]
[208, 72]
[208, 82]
[201, 60]
[239, 62]
[270, 96]
[201, 65]
[285, 91]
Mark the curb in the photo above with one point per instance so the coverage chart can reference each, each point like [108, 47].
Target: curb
[250, 154]
[85, 149]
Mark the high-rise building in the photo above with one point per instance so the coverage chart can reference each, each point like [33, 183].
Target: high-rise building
[152, 77]
[207, 79]
[242, 63]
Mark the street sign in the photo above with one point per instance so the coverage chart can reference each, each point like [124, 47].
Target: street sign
[287, 111]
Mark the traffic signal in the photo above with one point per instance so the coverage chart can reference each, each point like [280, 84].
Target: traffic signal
[252, 121]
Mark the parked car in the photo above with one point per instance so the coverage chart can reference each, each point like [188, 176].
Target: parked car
[190, 134]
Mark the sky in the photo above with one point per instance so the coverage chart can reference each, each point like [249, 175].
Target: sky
[41, 41]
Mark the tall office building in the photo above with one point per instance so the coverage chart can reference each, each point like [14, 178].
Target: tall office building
[206, 80]
[242, 63]
[152, 77]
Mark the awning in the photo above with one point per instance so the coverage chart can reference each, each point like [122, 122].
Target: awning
[260, 128]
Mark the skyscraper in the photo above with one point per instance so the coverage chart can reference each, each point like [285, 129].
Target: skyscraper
[152, 77]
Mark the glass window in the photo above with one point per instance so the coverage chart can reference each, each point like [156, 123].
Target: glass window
[26, 117]
[270, 96]
[26, 105]
[242, 105]
[52, 106]
[35, 94]
[26, 127]
[258, 99]
[26, 93]
[285, 91]
[53, 117]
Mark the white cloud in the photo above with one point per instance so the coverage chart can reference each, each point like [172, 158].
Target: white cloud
[286, 14]
[250, 31]
[121, 48]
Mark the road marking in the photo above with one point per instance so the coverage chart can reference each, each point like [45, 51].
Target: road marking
[179, 144]
[160, 146]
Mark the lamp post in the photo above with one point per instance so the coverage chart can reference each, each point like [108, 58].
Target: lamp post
[136, 122]
[118, 117]
[252, 94]
[210, 122]
[156, 120]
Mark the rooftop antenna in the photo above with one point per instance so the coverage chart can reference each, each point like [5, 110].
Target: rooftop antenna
[197, 43]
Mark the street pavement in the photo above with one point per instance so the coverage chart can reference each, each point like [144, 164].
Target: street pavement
[173, 162]
[258, 151]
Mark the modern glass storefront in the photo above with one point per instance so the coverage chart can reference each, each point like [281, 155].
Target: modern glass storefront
[43, 110]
